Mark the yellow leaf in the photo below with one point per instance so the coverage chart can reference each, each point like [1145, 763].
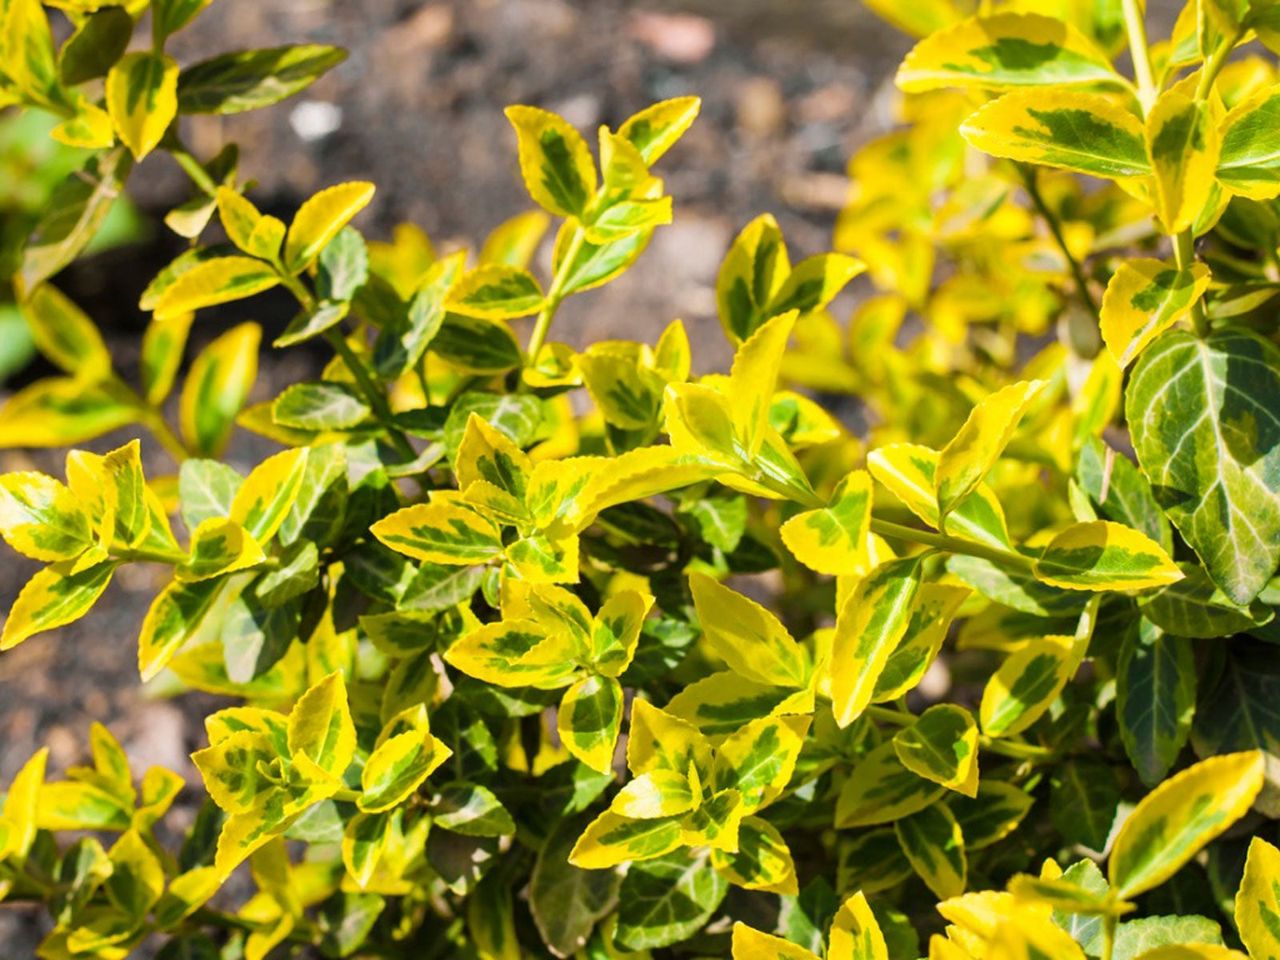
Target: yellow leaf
[1184, 143]
[1143, 299]
[216, 386]
[974, 450]
[212, 282]
[832, 539]
[319, 220]
[1258, 900]
[750, 944]
[263, 501]
[142, 98]
[554, 160]
[855, 934]
[1102, 555]
[1180, 816]
[257, 235]
[754, 376]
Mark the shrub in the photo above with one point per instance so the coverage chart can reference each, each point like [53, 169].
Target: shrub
[493, 697]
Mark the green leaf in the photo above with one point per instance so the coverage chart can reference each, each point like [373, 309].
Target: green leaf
[1195, 607]
[942, 746]
[475, 345]
[219, 545]
[814, 283]
[1179, 817]
[320, 219]
[589, 719]
[265, 498]
[1211, 448]
[762, 860]
[747, 636]
[216, 387]
[664, 901]
[53, 598]
[142, 98]
[173, 618]
[758, 759]
[472, 810]
[206, 489]
[1121, 492]
[307, 325]
[1143, 299]
[935, 606]
[1249, 163]
[1239, 712]
[398, 765]
[343, 267]
[1003, 52]
[1155, 698]
[992, 815]
[1103, 555]
[1083, 798]
[65, 334]
[319, 405]
[1082, 132]
[247, 80]
[870, 624]
[554, 160]
[882, 790]
[933, 843]
[566, 901]
[73, 215]
[170, 16]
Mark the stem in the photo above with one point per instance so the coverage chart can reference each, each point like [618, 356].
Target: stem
[941, 541]
[1016, 749]
[194, 169]
[153, 419]
[555, 294]
[1136, 28]
[1108, 936]
[899, 718]
[1184, 254]
[376, 399]
[1055, 228]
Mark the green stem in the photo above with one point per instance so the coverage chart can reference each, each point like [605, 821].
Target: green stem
[1055, 228]
[941, 541]
[1016, 749]
[1184, 255]
[194, 169]
[1108, 936]
[899, 718]
[1136, 28]
[373, 394]
[555, 293]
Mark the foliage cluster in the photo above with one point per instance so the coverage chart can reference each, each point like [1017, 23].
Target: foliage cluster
[492, 696]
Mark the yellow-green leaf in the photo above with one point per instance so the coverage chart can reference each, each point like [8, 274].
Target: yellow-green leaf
[42, 519]
[142, 98]
[320, 219]
[54, 597]
[1005, 51]
[515, 653]
[942, 746]
[1257, 908]
[1103, 555]
[751, 944]
[554, 160]
[833, 539]
[496, 291]
[440, 531]
[1249, 162]
[1084, 132]
[908, 470]
[1025, 685]
[400, 761]
[257, 235]
[320, 726]
[762, 861]
[933, 843]
[752, 273]
[974, 450]
[748, 637]
[162, 347]
[872, 620]
[753, 378]
[212, 282]
[655, 129]
[589, 719]
[219, 545]
[262, 502]
[65, 334]
[1143, 299]
[611, 839]
[881, 790]
[1179, 817]
[855, 933]
[1183, 143]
